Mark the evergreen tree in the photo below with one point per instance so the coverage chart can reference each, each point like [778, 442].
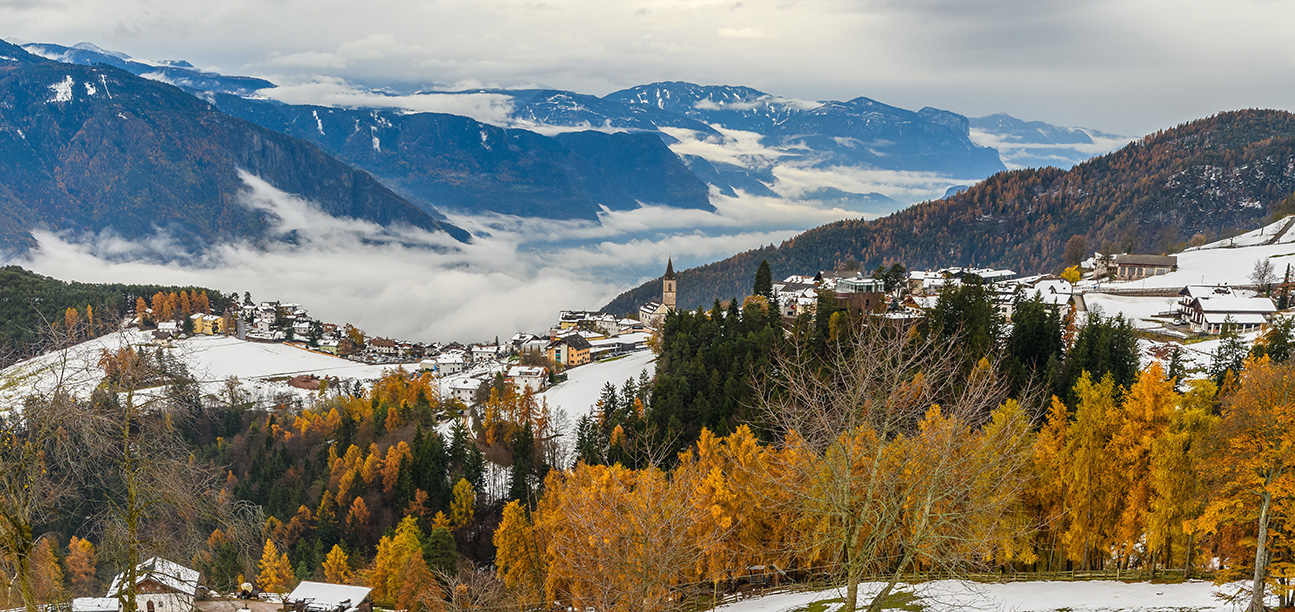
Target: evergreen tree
[763, 281]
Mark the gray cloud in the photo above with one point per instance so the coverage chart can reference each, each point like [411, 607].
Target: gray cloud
[1122, 66]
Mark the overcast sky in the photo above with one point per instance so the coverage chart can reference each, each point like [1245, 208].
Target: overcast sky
[1127, 66]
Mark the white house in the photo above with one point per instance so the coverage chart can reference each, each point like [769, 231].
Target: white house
[324, 597]
[528, 377]
[465, 389]
[1210, 314]
[160, 586]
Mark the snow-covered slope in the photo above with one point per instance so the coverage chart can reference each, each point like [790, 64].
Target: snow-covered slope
[576, 397]
[261, 368]
[948, 596]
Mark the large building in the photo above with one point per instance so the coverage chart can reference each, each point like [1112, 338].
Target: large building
[652, 314]
[160, 586]
[1134, 267]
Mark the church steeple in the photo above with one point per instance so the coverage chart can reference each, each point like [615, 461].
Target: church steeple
[668, 286]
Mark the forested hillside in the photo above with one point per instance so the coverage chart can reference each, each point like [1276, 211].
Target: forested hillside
[1209, 177]
[31, 303]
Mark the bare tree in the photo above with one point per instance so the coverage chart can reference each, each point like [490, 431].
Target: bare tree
[157, 496]
[899, 464]
[41, 446]
[1262, 275]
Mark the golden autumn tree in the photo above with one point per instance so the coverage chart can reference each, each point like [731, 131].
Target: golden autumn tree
[1142, 419]
[464, 504]
[1177, 475]
[46, 573]
[141, 310]
[275, 570]
[519, 553]
[1050, 474]
[357, 519]
[399, 573]
[81, 565]
[1252, 467]
[1090, 485]
[337, 569]
[892, 466]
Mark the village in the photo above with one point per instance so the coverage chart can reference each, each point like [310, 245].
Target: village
[1153, 292]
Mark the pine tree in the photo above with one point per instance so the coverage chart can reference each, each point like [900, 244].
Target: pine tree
[763, 281]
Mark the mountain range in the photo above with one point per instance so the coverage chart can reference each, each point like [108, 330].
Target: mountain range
[93, 148]
[1209, 177]
[667, 143]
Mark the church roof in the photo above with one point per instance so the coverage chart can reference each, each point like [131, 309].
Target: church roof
[669, 270]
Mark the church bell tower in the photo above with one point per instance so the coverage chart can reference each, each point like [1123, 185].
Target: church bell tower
[668, 286]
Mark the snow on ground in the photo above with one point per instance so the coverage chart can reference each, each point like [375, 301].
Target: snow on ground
[1254, 237]
[578, 394]
[211, 360]
[1042, 596]
[1217, 263]
[1138, 310]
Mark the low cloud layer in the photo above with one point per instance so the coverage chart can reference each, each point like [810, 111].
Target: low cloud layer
[420, 285]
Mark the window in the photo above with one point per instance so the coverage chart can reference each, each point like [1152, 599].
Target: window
[150, 606]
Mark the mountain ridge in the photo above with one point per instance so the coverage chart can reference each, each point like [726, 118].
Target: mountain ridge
[93, 148]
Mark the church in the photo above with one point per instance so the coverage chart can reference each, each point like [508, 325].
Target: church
[652, 314]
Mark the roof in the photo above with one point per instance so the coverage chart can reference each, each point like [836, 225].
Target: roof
[325, 596]
[575, 341]
[1196, 291]
[669, 269]
[167, 573]
[1244, 318]
[1145, 260]
[516, 371]
[1235, 304]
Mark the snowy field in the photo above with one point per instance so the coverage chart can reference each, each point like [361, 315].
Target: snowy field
[1226, 261]
[578, 394]
[211, 360]
[1138, 310]
[950, 596]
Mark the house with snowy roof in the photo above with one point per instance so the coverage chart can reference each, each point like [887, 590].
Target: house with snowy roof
[530, 378]
[1213, 313]
[160, 586]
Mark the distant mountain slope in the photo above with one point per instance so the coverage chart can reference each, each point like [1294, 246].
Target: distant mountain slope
[1210, 176]
[453, 162]
[89, 148]
[179, 73]
[1035, 144]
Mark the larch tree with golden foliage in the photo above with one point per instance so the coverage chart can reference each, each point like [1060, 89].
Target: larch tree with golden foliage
[337, 568]
[1176, 476]
[275, 571]
[464, 504]
[893, 436]
[1090, 485]
[81, 566]
[1252, 468]
[1142, 420]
